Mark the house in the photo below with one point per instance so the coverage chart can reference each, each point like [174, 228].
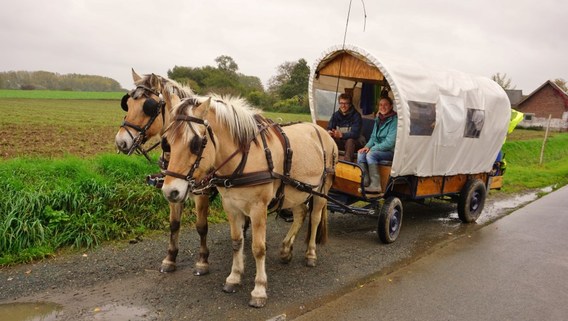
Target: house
[547, 100]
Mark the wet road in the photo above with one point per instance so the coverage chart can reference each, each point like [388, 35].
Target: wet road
[513, 269]
[121, 282]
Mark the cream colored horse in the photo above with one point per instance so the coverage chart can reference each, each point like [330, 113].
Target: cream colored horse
[142, 104]
[209, 138]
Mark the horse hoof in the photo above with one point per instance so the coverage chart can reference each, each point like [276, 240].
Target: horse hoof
[201, 270]
[257, 302]
[230, 288]
[166, 268]
[311, 262]
[285, 258]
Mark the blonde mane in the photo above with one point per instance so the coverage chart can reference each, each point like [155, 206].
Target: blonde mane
[232, 112]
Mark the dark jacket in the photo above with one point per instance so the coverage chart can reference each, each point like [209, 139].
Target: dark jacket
[352, 120]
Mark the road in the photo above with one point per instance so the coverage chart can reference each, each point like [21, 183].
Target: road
[513, 269]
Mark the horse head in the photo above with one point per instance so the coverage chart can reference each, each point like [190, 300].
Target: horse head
[147, 108]
[191, 157]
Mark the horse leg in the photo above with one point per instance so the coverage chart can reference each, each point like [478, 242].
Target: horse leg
[236, 221]
[288, 242]
[317, 229]
[169, 263]
[202, 208]
[258, 221]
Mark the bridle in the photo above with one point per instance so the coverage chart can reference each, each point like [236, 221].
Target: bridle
[151, 108]
[196, 146]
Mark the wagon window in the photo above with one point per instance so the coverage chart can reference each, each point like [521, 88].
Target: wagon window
[422, 118]
[325, 100]
[474, 123]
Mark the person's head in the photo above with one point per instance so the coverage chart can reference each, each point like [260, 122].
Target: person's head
[344, 103]
[385, 105]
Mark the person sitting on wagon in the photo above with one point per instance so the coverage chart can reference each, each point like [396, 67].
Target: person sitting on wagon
[345, 127]
[380, 146]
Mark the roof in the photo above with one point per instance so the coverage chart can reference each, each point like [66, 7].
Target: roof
[554, 86]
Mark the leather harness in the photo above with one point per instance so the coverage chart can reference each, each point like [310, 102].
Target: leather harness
[238, 178]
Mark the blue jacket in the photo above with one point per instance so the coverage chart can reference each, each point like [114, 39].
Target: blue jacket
[383, 136]
[352, 120]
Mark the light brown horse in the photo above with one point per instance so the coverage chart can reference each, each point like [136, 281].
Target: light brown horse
[148, 108]
[210, 138]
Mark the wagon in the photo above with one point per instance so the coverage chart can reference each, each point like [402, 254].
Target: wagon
[451, 127]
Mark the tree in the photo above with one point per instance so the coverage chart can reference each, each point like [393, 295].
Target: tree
[560, 82]
[298, 83]
[503, 81]
[226, 63]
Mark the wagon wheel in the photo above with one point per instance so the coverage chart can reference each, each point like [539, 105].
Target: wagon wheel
[390, 220]
[471, 201]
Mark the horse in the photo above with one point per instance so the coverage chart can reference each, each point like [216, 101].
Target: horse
[148, 108]
[256, 165]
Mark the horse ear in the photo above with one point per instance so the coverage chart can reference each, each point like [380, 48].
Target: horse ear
[204, 107]
[154, 82]
[135, 76]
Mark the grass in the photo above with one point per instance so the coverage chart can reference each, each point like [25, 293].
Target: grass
[58, 94]
[47, 204]
[524, 170]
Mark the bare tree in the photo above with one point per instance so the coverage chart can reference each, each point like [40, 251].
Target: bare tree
[560, 82]
[503, 81]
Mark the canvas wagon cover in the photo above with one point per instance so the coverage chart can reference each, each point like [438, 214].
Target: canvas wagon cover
[449, 122]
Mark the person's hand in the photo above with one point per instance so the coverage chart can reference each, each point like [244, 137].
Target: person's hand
[363, 150]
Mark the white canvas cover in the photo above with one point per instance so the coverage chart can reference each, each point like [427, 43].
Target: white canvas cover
[466, 116]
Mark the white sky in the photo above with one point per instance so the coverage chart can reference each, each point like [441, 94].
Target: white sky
[523, 38]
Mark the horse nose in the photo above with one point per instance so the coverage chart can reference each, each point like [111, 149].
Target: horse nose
[122, 146]
[173, 195]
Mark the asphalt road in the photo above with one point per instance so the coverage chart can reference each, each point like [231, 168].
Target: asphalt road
[513, 269]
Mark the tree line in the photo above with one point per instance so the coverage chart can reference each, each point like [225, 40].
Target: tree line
[287, 91]
[31, 80]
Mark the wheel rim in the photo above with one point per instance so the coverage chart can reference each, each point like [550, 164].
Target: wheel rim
[394, 222]
[475, 199]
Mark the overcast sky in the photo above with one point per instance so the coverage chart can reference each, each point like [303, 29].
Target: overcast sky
[524, 39]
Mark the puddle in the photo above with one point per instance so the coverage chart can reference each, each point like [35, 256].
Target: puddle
[120, 313]
[47, 311]
[499, 208]
[29, 311]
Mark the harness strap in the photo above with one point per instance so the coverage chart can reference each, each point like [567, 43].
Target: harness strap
[248, 179]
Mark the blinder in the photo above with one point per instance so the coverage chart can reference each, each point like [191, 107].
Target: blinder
[124, 102]
[151, 107]
[165, 145]
[196, 144]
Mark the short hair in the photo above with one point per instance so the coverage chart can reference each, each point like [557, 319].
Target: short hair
[345, 96]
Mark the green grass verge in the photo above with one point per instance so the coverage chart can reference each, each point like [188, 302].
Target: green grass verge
[523, 158]
[49, 204]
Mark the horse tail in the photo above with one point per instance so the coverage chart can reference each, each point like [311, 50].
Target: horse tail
[321, 236]
[321, 232]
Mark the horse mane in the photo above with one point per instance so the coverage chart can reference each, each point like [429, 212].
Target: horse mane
[169, 87]
[232, 112]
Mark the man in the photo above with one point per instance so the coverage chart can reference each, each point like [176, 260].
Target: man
[345, 127]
